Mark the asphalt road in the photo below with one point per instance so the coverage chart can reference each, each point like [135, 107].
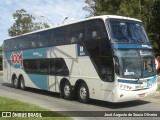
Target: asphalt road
[53, 102]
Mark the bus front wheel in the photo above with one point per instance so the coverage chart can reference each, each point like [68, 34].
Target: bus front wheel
[15, 82]
[83, 93]
[67, 91]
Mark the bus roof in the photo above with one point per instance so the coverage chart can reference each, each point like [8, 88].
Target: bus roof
[73, 22]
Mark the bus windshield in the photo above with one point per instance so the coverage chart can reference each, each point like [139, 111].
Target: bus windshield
[135, 63]
[127, 31]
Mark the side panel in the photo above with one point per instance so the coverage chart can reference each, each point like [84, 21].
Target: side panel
[52, 83]
[41, 81]
[68, 52]
[80, 67]
[6, 69]
[78, 63]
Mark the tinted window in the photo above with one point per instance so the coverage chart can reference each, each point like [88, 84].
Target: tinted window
[44, 38]
[14, 44]
[55, 66]
[36, 66]
[30, 66]
[58, 36]
[75, 33]
[127, 31]
[42, 66]
[61, 67]
[31, 41]
[52, 66]
[95, 29]
[7, 45]
[98, 48]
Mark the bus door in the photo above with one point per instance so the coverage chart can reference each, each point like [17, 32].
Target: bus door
[107, 76]
[52, 77]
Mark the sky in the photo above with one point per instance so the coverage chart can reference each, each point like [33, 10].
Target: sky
[54, 12]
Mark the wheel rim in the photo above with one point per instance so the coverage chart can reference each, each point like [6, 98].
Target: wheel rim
[83, 93]
[22, 84]
[15, 82]
[66, 90]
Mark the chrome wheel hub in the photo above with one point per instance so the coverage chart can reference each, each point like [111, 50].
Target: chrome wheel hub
[83, 92]
[66, 90]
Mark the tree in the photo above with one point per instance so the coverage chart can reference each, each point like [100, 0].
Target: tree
[146, 10]
[1, 58]
[101, 7]
[24, 23]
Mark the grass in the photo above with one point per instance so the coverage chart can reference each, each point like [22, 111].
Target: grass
[1, 73]
[14, 105]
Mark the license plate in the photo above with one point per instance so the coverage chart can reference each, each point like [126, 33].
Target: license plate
[141, 95]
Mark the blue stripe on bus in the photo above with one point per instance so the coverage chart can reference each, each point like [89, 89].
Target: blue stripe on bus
[142, 46]
[30, 54]
[129, 81]
[41, 81]
[35, 53]
[152, 80]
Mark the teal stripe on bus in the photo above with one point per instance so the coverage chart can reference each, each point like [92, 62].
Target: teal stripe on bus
[41, 81]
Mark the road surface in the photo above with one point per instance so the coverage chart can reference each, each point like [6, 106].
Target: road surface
[53, 102]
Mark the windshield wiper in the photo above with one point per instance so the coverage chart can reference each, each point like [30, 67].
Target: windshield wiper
[136, 76]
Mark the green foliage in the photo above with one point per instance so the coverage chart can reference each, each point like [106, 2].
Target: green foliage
[146, 10]
[1, 58]
[0, 48]
[24, 23]
[1, 66]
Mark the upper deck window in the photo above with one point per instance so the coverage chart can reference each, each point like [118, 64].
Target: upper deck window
[127, 31]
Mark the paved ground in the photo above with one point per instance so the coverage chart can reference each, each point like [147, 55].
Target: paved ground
[55, 103]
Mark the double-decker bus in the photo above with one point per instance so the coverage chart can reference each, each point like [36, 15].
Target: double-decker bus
[107, 58]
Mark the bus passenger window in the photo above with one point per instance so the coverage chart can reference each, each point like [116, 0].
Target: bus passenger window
[44, 38]
[61, 67]
[32, 41]
[74, 33]
[94, 30]
[42, 66]
[58, 36]
[80, 37]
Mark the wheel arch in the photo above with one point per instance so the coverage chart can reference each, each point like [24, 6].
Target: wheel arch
[20, 76]
[13, 76]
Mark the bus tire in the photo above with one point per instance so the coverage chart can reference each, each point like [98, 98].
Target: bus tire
[67, 91]
[22, 83]
[83, 93]
[15, 82]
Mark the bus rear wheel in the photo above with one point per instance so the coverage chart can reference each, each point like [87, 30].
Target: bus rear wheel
[22, 84]
[83, 93]
[67, 91]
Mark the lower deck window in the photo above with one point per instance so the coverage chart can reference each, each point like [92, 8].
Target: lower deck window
[50, 66]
